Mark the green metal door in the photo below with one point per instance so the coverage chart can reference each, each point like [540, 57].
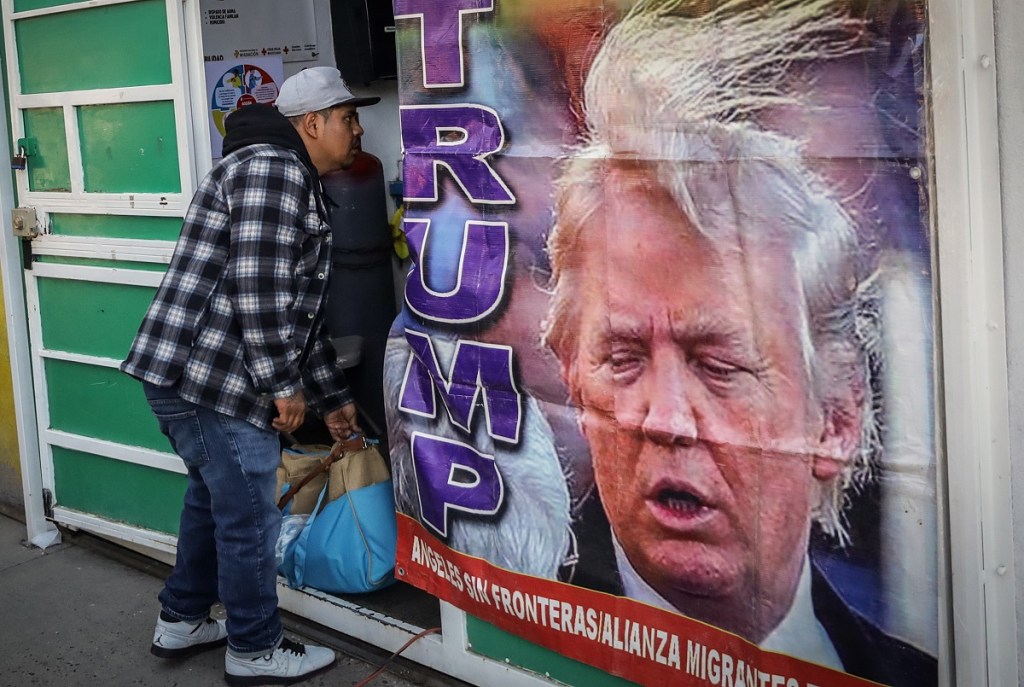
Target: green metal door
[99, 105]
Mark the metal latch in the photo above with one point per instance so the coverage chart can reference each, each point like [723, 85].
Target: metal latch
[25, 222]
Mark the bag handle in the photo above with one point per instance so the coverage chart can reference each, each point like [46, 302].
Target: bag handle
[355, 443]
[298, 572]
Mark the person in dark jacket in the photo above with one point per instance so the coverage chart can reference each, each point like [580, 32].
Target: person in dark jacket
[233, 351]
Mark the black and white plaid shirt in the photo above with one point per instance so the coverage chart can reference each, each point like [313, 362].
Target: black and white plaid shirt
[237, 320]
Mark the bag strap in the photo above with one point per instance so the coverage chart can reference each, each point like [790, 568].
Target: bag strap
[297, 574]
[356, 443]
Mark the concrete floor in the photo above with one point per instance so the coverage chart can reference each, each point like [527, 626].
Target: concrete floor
[81, 613]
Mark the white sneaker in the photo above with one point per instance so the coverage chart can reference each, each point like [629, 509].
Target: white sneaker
[181, 639]
[288, 663]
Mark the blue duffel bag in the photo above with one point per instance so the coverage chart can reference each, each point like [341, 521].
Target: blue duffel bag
[347, 545]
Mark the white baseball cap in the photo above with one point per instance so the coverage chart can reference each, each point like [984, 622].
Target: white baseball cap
[316, 88]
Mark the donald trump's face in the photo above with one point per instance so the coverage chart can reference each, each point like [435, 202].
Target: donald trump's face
[694, 394]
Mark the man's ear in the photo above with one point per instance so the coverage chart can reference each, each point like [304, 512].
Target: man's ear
[310, 124]
[840, 439]
[843, 398]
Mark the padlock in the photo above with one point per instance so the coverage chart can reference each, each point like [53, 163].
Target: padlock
[19, 162]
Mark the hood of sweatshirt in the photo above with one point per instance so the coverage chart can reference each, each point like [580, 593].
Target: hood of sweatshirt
[259, 123]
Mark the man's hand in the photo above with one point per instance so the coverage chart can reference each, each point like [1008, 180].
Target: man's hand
[291, 411]
[341, 423]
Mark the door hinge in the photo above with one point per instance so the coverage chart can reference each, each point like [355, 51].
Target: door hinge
[48, 503]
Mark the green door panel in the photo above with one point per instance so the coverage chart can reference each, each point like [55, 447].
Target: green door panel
[136, 494]
[48, 168]
[116, 226]
[102, 403]
[92, 318]
[85, 56]
[129, 148]
[487, 640]
[103, 47]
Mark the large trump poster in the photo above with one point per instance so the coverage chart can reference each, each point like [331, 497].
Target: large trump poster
[661, 393]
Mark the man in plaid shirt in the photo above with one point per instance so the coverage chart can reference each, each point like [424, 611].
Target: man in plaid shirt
[232, 351]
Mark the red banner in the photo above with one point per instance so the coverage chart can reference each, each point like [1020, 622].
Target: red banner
[621, 636]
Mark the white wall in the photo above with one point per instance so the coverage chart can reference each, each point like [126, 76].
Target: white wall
[1009, 22]
[382, 137]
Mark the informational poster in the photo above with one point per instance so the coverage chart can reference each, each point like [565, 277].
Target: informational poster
[234, 29]
[234, 84]
[661, 395]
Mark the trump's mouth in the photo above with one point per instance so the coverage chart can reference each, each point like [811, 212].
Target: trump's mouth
[684, 503]
[678, 505]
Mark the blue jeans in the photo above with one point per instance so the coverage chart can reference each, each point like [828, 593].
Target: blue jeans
[229, 522]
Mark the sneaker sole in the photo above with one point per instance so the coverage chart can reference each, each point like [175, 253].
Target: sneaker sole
[250, 680]
[187, 651]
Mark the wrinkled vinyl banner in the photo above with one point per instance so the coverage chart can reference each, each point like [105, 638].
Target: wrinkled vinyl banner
[660, 397]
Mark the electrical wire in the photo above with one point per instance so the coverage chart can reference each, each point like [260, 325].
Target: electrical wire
[392, 657]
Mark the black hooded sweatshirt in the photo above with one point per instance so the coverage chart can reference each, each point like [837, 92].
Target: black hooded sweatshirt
[258, 123]
[254, 124]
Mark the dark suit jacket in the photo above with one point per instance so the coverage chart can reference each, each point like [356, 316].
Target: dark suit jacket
[864, 649]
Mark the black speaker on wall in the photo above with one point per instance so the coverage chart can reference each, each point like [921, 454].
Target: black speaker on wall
[364, 40]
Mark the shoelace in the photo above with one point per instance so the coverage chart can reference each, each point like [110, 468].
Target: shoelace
[202, 624]
[286, 645]
[293, 647]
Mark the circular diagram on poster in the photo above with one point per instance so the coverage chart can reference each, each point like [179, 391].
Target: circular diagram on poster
[238, 86]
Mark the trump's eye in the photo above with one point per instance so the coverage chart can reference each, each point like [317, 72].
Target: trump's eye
[718, 370]
[625, 363]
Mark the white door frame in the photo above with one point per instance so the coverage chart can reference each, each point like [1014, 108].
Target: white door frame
[37, 526]
[972, 413]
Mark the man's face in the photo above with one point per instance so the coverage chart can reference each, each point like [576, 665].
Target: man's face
[694, 399]
[341, 137]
